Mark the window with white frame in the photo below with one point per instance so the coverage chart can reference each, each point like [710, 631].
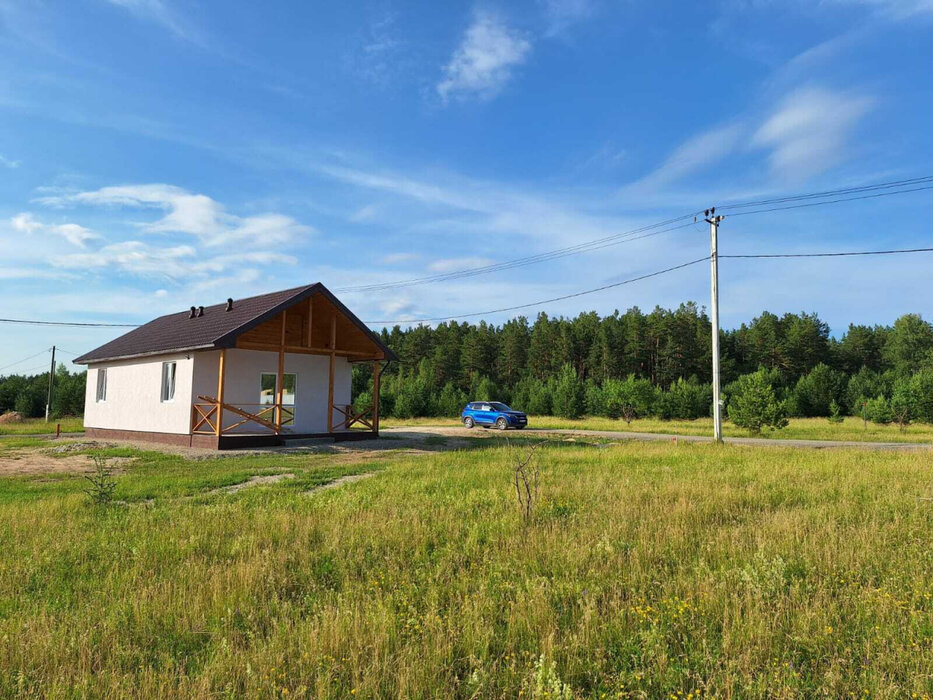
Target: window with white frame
[102, 384]
[168, 381]
[268, 393]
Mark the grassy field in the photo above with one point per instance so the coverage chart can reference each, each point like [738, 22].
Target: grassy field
[798, 429]
[38, 426]
[647, 570]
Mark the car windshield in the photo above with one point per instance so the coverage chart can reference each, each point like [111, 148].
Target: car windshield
[499, 407]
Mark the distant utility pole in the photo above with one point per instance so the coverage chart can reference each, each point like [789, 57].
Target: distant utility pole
[48, 402]
[713, 222]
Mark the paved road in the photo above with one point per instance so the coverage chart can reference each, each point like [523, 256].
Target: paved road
[665, 437]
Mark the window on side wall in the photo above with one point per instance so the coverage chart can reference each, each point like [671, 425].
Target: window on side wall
[168, 381]
[102, 384]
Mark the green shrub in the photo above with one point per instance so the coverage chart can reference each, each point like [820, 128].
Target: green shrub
[878, 410]
[753, 405]
[628, 399]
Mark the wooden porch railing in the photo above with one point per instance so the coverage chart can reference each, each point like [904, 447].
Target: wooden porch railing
[204, 416]
[364, 417]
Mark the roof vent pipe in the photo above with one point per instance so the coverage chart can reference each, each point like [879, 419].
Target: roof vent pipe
[200, 311]
[230, 304]
[191, 313]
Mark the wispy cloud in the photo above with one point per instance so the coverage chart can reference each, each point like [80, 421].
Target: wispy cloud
[452, 264]
[699, 151]
[8, 163]
[809, 131]
[399, 258]
[894, 9]
[485, 59]
[561, 14]
[177, 263]
[190, 213]
[376, 55]
[161, 13]
[73, 233]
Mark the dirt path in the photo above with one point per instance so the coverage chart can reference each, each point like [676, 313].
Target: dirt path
[410, 433]
[349, 479]
[252, 481]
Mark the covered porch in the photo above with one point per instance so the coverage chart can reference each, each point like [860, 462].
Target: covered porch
[288, 377]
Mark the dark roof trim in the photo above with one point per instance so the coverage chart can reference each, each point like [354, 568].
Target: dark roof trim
[228, 339]
[154, 353]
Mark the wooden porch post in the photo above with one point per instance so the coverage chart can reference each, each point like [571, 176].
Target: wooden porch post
[221, 370]
[280, 379]
[333, 367]
[376, 383]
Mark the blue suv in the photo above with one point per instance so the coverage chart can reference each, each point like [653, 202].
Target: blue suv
[492, 413]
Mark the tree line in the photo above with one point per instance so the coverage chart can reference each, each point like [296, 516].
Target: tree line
[27, 394]
[624, 365]
[635, 364]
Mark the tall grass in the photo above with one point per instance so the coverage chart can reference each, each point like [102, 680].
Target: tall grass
[647, 570]
[38, 426]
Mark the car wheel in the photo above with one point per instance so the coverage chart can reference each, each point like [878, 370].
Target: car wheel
[501, 423]
[468, 422]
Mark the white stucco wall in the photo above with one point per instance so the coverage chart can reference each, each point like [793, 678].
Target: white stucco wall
[134, 392]
[241, 386]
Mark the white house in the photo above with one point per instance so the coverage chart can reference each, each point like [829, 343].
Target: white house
[250, 372]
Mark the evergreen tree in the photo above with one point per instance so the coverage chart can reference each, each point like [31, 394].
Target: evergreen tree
[753, 404]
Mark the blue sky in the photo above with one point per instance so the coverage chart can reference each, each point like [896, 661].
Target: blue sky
[158, 154]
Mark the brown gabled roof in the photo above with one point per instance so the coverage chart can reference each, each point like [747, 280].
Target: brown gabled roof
[217, 328]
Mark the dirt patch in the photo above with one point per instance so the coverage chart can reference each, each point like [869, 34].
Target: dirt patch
[339, 482]
[253, 481]
[28, 463]
[11, 417]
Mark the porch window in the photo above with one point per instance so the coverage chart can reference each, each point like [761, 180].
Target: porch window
[101, 384]
[268, 392]
[168, 381]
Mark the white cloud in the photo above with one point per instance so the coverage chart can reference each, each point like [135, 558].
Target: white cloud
[189, 213]
[177, 263]
[73, 233]
[454, 264]
[8, 163]
[484, 61]
[808, 133]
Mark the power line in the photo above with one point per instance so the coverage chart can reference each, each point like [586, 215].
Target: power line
[24, 359]
[661, 272]
[30, 322]
[547, 301]
[830, 193]
[631, 235]
[597, 244]
[831, 201]
[34, 369]
[831, 255]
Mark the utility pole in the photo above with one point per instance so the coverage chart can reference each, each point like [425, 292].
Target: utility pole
[48, 402]
[713, 222]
